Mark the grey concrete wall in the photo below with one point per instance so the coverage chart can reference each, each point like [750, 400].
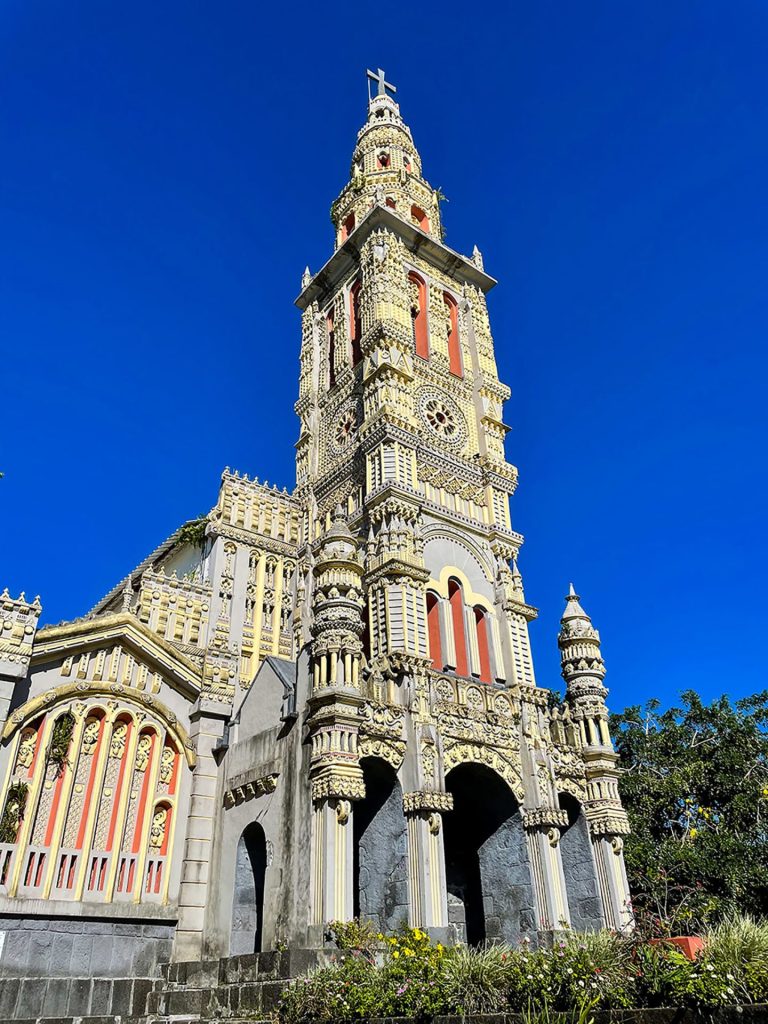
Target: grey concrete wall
[581, 883]
[56, 947]
[382, 851]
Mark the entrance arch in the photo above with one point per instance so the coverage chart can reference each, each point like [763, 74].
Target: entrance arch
[380, 849]
[488, 876]
[581, 884]
[248, 902]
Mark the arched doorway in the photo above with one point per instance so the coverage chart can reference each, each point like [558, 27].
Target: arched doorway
[380, 849]
[486, 859]
[248, 902]
[581, 883]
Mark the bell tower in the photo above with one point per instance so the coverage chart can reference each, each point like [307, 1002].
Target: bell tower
[411, 613]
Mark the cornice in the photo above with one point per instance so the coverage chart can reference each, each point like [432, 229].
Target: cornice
[54, 641]
[346, 259]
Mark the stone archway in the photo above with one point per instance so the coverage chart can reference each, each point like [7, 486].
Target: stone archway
[380, 849]
[581, 884]
[488, 875]
[248, 901]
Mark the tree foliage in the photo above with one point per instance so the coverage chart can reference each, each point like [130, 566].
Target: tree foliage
[695, 786]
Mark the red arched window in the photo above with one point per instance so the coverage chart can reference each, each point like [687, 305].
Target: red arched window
[419, 218]
[407, 163]
[483, 643]
[382, 160]
[454, 345]
[331, 350]
[347, 227]
[456, 600]
[355, 326]
[419, 315]
[433, 627]
[391, 203]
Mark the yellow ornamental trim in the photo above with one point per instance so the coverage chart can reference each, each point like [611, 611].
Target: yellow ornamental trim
[139, 698]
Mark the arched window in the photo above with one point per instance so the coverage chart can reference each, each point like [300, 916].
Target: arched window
[419, 218]
[331, 349]
[454, 344]
[433, 627]
[391, 203]
[483, 643]
[456, 600]
[347, 227]
[355, 325]
[407, 163]
[89, 809]
[382, 159]
[419, 314]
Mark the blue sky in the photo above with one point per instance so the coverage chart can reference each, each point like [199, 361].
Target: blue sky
[167, 172]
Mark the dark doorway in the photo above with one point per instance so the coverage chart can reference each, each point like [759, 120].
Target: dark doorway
[581, 884]
[248, 903]
[380, 849]
[486, 859]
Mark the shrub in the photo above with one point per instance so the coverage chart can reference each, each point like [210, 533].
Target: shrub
[738, 948]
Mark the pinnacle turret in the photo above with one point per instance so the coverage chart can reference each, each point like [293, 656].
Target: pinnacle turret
[583, 670]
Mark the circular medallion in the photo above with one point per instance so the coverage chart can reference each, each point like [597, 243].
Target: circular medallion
[442, 416]
[345, 430]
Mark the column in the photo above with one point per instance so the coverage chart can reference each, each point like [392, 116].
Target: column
[542, 827]
[206, 728]
[427, 893]
[332, 860]
[608, 851]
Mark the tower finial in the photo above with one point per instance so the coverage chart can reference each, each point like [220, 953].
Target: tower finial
[382, 84]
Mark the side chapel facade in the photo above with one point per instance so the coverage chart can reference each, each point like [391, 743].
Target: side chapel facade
[320, 704]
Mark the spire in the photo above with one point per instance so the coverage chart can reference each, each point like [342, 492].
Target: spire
[385, 170]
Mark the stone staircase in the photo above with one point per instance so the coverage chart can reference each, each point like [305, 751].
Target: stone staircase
[239, 989]
[246, 987]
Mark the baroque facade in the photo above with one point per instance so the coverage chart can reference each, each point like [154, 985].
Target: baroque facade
[315, 705]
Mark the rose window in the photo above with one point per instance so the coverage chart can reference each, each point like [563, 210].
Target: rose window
[440, 418]
[345, 429]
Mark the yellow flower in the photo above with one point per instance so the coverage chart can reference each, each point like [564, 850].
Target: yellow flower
[379, 936]
[694, 832]
[765, 790]
[395, 954]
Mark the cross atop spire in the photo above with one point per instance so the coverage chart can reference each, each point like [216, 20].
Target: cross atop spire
[382, 84]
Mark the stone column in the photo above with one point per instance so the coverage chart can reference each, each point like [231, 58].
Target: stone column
[542, 827]
[427, 893]
[18, 625]
[607, 849]
[332, 860]
[206, 728]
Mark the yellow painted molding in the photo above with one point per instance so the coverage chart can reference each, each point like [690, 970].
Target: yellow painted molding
[112, 691]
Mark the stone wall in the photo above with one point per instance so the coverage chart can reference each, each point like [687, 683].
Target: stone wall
[382, 851]
[505, 873]
[580, 877]
[77, 947]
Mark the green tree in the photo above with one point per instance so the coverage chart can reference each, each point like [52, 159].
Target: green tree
[695, 786]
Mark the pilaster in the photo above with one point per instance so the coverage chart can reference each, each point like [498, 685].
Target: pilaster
[428, 898]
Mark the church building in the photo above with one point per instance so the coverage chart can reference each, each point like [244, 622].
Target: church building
[316, 705]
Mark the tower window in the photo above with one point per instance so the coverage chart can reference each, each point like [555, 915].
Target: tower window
[456, 600]
[347, 227]
[331, 350]
[418, 290]
[454, 344]
[355, 324]
[419, 218]
[483, 643]
[433, 627]
[407, 163]
[391, 203]
[382, 160]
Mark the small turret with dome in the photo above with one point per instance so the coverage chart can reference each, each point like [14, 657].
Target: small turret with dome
[386, 171]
